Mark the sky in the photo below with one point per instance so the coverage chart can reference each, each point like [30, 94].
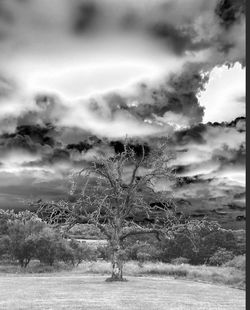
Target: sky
[78, 76]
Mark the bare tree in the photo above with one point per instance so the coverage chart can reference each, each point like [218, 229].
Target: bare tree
[119, 197]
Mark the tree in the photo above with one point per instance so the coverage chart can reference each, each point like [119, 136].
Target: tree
[4, 245]
[48, 245]
[221, 256]
[119, 196]
[208, 238]
[82, 251]
[22, 227]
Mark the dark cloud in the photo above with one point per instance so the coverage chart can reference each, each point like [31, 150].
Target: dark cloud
[85, 16]
[19, 142]
[192, 135]
[195, 134]
[183, 26]
[87, 144]
[239, 124]
[46, 110]
[230, 157]
[178, 95]
[182, 181]
[180, 169]
[58, 155]
[30, 138]
[178, 40]
[81, 146]
[38, 134]
[5, 12]
[230, 11]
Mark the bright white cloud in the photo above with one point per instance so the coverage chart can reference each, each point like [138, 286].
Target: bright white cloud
[75, 69]
[223, 98]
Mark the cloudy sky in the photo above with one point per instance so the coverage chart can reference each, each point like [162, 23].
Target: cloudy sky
[77, 76]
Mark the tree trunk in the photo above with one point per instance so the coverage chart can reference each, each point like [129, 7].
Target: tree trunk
[117, 264]
[26, 262]
[21, 262]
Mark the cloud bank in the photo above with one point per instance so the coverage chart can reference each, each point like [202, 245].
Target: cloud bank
[77, 76]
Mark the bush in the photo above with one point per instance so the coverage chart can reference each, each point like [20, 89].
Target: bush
[221, 256]
[104, 252]
[180, 261]
[17, 230]
[238, 262]
[82, 251]
[26, 237]
[207, 241]
[143, 257]
[65, 252]
[142, 251]
[4, 245]
[89, 231]
[22, 244]
[47, 246]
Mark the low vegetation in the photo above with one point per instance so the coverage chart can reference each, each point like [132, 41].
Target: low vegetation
[226, 275]
[29, 245]
[223, 275]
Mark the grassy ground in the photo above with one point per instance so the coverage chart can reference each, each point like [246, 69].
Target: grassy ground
[219, 275]
[230, 276]
[75, 291]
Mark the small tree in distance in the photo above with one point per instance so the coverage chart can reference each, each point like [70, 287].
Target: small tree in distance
[119, 196]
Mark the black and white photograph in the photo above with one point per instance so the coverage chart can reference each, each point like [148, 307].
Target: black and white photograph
[122, 154]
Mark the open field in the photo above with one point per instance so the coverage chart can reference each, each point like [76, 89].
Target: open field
[91, 292]
[229, 276]
[218, 275]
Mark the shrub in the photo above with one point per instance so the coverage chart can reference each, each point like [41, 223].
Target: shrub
[87, 230]
[207, 240]
[142, 251]
[220, 257]
[17, 230]
[22, 244]
[4, 245]
[180, 261]
[65, 252]
[143, 257]
[238, 262]
[104, 252]
[82, 251]
[47, 246]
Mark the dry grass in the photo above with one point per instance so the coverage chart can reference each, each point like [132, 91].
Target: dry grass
[66, 290]
[227, 275]
[220, 275]
[34, 267]
[238, 262]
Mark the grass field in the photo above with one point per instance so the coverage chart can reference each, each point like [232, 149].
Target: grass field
[229, 276]
[91, 292]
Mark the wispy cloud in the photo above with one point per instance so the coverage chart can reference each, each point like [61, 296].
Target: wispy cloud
[77, 75]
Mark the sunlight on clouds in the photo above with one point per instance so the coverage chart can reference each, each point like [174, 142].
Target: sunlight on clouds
[75, 69]
[13, 160]
[223, 94]
[69, 71]
[103, 123]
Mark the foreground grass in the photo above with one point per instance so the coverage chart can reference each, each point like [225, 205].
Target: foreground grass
[75, 291]
[220, 275]
[229, 276]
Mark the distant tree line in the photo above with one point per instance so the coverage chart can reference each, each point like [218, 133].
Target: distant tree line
[24, 236]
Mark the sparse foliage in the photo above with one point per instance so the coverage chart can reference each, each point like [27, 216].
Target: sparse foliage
[19, 229]
[221, 256]
[119, 196]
